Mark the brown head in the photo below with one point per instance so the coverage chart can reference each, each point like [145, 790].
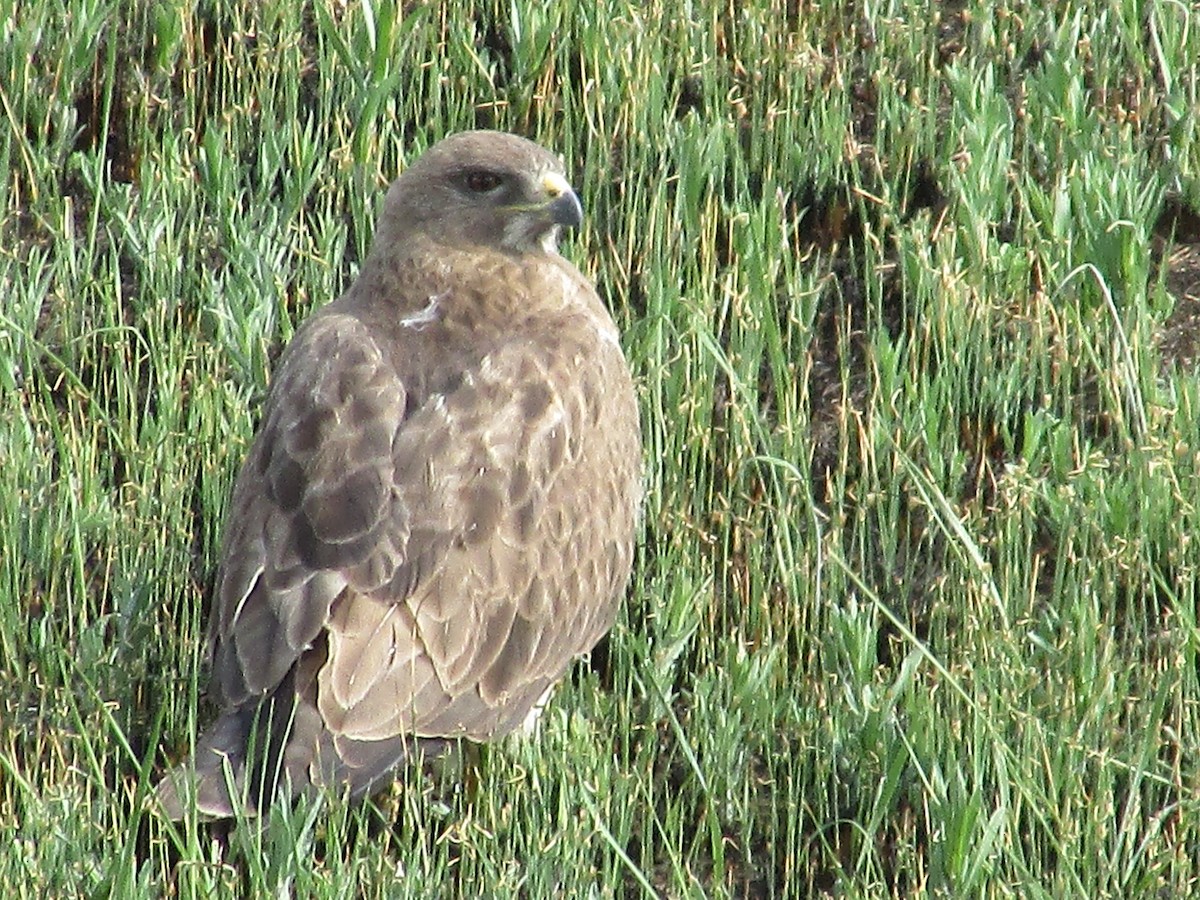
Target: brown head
[480, 188]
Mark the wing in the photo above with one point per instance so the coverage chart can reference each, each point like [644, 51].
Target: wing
[448, 551]
[314, 511]
[540, 493]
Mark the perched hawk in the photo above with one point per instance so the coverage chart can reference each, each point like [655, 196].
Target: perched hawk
[437, 513]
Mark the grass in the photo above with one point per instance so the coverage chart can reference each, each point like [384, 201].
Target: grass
[915, 606]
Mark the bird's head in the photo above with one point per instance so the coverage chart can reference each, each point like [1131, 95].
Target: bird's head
[481, 188]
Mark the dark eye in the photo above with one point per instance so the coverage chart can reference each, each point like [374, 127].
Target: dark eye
[480, 181]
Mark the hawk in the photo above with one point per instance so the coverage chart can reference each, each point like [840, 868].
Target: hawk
[437, 512]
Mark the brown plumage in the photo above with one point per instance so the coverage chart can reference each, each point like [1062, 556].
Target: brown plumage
[437, 513]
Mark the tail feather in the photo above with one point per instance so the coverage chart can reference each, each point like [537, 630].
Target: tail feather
[248, 757]
[215, 776]
[244, 760]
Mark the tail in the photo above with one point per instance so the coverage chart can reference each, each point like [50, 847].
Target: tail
[241, 763]
[280, 748]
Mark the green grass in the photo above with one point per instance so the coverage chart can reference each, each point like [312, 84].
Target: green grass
[915, 607]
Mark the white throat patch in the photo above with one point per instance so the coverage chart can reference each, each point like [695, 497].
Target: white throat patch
[426, 316]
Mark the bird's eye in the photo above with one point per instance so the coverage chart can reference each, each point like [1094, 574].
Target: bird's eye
[480, 181]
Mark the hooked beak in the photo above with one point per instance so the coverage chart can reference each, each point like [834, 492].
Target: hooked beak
[562, 203]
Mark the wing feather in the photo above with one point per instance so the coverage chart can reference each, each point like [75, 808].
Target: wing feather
[313, 510]
[492, 622]
[435, 540]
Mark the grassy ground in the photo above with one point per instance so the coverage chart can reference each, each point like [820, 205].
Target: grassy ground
[913, 299]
